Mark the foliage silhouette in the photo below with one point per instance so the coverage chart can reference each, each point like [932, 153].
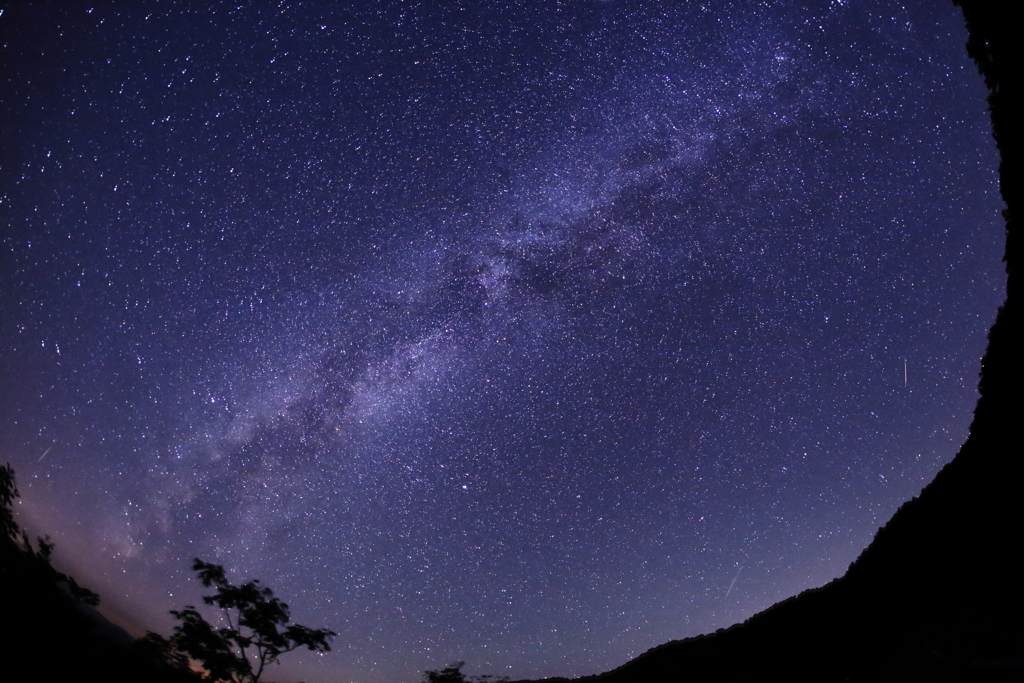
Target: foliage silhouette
[37, 561]
[453, 674]
[51, 631]
[161, 651]
[257, 630]
[8, 492]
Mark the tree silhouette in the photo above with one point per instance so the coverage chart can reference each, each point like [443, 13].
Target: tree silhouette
[453, 674]
[255, 636]
[47, 633]
[37, 562]
[8, 492]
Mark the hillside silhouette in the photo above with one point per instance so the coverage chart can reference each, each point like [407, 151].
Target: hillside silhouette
[49, 627]
[938, 595]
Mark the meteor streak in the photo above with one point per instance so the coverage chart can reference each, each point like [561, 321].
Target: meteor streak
[45, 452]
[733, 582]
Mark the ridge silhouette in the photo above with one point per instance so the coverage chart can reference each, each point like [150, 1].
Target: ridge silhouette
[938, 594]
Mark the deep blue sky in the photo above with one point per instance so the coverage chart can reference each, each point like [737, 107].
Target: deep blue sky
[532, 334]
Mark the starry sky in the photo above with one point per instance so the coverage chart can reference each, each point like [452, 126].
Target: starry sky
[529, 333]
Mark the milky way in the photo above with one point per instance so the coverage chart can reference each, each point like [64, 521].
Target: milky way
[530, 334]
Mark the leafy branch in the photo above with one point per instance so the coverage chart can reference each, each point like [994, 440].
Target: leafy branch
[257, 630]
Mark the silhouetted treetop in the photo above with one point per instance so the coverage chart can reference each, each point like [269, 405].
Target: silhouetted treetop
[257, 630]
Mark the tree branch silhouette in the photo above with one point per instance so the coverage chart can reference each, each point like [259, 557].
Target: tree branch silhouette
[257, 629]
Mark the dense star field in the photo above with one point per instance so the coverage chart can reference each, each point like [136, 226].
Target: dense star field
[531, 334]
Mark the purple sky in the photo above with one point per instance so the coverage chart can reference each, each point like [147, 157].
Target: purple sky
[530, 334]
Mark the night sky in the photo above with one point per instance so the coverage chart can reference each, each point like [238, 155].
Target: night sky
[531, 334]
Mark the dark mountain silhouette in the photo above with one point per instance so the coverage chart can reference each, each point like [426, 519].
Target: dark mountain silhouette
[939, 593]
